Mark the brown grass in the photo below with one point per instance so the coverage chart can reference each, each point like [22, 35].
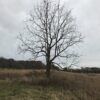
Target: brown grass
[82, 86]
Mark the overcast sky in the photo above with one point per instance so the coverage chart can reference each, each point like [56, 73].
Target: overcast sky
[87, 12]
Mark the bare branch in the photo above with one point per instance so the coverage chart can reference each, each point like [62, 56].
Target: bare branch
[51, 33]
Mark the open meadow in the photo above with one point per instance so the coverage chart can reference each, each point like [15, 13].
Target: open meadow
[33, 85]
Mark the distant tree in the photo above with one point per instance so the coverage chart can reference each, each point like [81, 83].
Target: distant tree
[50, 33]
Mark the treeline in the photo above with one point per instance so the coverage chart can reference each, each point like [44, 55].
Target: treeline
[13, 64]
[83, 70]
[21, 64]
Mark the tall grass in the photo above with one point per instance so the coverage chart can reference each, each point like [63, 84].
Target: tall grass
[33, 85]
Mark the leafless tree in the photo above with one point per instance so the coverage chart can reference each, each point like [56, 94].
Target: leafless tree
[51, 33]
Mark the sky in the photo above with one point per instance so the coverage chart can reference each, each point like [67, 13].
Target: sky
[13, 13]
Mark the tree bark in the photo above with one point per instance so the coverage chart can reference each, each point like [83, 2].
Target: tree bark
[48, 68]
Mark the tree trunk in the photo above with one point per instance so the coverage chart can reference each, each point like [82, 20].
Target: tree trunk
[48, 63]
[48, 68]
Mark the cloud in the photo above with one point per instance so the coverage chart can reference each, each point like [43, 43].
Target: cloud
[87, 13]
[12, 15]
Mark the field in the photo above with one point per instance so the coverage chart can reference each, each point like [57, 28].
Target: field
[33, 85]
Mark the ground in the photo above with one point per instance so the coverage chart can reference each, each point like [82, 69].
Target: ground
[33, 85]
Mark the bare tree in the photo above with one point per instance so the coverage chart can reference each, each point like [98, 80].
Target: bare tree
[51, 32]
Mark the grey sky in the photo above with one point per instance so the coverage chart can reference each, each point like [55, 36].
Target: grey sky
[87, 12]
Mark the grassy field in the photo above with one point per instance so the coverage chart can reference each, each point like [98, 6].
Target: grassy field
[33, 85]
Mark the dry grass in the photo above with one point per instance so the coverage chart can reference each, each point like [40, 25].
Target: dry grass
[61, 85]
